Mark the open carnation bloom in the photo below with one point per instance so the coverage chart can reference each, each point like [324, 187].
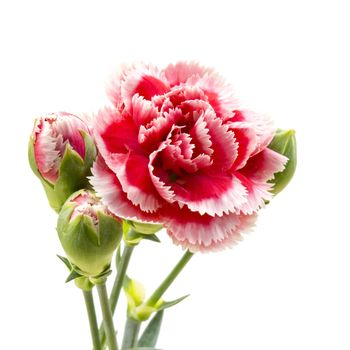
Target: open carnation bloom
[176, 149]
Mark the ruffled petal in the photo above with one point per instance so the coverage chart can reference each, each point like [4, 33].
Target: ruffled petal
[144, 80]
[247, 142]
[143, 111]
[257, 194]
[115, 132]
[262, 125]
[133, 175]
[206, 233]
[219, 93]
[156, 131]
[108, 187]
[181, 71]
[264, 165]
[209, 194]
[223, 140]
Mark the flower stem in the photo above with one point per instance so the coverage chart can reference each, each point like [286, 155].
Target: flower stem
[158, 293]
[107, 317]
[90, 308]
[131, 332]
[117, 286]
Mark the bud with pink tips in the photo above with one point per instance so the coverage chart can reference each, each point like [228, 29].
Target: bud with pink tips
[61, 152]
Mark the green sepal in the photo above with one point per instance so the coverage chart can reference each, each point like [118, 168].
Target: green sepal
[65, 261]
[72, 175]
[90, 149]
[132, 237]
[73, 275]
[284, 142]
[151, 333]
[144, 228]
[151, 237]
[166, 304]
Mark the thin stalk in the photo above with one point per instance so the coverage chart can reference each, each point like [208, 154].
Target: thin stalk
[107, 317]
[158, 293]
[131, 332]
[90, 308]
[117, 286]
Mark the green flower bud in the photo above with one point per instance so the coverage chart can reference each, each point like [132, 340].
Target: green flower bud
[89, 233]
[61, 152]
[284, 143]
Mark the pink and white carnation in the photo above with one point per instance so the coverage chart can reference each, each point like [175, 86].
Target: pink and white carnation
[177, 149]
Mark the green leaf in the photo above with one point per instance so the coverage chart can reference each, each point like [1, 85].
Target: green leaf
[72, 276]
[150, 335]
[167, 304]
[65, 261]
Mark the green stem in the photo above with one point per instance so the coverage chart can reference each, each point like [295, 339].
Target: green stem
[107, 317]
[90, 308]
[117, 286]
[158, 293]
[131, 332]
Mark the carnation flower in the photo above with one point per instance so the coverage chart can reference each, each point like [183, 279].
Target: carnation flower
[177, 149]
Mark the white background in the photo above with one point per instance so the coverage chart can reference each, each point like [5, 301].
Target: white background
[287, 285]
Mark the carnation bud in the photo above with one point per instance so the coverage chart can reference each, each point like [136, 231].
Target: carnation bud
[284, 143]
[89, 233]
[61, 153]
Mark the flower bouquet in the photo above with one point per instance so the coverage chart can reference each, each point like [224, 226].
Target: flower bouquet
[173, 150]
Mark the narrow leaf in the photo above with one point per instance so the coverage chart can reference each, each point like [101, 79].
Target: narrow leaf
[168, 304]
[150, 335]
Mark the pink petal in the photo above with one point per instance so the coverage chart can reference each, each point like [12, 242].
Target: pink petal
[218, 92]
[143, 111]
[164, 191]
[201, 137]
[145, 80]
[132, 172]
[181, 71]
[264, 165]
[70, 127]
[206, 233]
[115, 132]
[209, 194]
[247, 142]
[151, 135]
[108, 187]
[258, 193]
[263, 127]
[224, 144]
